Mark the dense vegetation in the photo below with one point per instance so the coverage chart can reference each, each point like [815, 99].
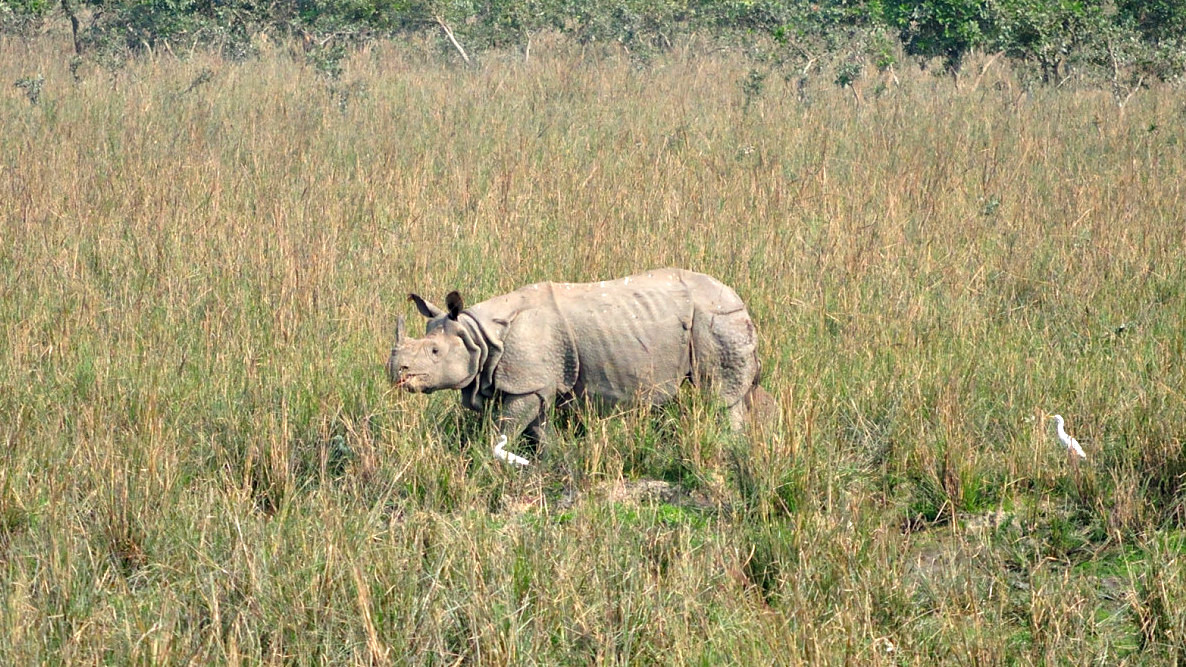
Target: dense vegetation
[1124, 44]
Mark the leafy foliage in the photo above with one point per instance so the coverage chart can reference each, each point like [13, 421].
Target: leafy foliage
[1156, 20]
[1137, 37]
[1046, 33]
[945, 28]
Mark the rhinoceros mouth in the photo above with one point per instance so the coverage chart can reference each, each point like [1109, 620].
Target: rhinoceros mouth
[406, 381]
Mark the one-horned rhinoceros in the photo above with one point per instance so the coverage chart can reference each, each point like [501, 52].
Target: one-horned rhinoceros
[637, 338]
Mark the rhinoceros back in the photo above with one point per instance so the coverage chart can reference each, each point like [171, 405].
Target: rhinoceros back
[638, 337]
[633, 336]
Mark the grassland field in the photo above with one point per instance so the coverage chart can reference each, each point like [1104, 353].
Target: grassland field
[201, 266]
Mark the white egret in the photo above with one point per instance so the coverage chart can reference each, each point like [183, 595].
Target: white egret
[502, 454]
[1070, 443]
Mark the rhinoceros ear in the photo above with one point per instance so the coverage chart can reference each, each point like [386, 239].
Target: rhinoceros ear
[453, 303]
[426, 308]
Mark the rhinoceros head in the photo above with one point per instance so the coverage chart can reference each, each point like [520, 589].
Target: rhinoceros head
[446, 358]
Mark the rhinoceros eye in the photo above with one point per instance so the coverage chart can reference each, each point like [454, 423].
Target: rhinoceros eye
[435, 350]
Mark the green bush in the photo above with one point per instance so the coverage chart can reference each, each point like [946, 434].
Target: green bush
[1149, 37]
[23, 17]
[1046, 33]
[941, 28]
[1156, 20]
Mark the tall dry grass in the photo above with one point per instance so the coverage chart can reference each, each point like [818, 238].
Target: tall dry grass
[201, 266]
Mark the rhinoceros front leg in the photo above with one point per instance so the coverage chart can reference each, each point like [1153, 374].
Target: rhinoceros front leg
[523, 413]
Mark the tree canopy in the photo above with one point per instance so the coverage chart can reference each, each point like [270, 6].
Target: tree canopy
[1144, 39]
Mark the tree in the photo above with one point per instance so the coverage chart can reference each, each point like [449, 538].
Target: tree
[946, 28]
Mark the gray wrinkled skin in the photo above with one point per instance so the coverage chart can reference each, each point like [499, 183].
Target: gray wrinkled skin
[637, 338]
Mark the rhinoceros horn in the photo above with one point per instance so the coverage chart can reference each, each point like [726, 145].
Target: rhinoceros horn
[401, 326]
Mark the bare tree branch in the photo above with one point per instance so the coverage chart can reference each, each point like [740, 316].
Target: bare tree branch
[73, 26]
[449, 33]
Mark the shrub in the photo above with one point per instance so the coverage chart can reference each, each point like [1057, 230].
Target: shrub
[940, 28]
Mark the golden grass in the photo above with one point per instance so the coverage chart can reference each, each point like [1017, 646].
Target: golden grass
[202, 461]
